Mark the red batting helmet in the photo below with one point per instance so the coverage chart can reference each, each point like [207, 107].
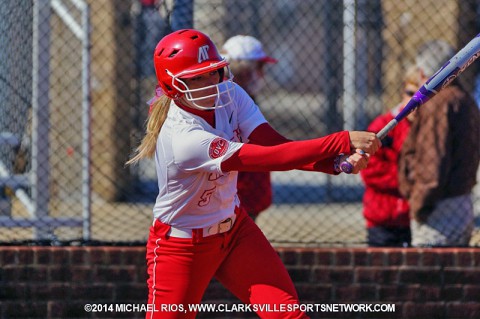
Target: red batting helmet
[185, 54]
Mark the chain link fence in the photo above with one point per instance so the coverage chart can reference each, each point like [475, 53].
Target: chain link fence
[75, 77]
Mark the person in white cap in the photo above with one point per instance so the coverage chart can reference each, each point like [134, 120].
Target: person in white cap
[247, 60]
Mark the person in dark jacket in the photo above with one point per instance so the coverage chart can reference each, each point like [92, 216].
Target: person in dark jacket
[440, 157]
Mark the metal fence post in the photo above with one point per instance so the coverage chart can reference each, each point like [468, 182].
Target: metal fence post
[41, 114]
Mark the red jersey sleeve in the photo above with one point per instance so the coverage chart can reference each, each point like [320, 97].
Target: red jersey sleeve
[266, 135]
[268, 150]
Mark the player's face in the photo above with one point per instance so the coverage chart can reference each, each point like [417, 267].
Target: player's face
[208, 81]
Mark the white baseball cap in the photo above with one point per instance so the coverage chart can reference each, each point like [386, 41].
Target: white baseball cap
[245, 47]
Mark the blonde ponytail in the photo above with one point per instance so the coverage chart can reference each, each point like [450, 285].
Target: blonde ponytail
[155, 121]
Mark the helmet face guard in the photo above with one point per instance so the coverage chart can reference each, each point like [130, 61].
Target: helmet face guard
[224, 91]
[185, 54]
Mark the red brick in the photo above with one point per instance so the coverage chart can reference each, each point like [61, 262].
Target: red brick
[59, 273]
[429, 258]
[98, 256]
[289, 257]
[307, 258]
[411, 257]
[25, 256]
[316, 292]
[331, 275]
[355, 293]
[456, 275]
[42, 256]
[365, 274]
[377, 258]
[59, 256]
[39, 292]
[376, 275]
[79, 256]
[13, 291]
[114, 256]
[453, 292]
[430, 293]
[11, 273]
[9, 256]
[424, 310]
[75, 309]
[116, 274]
[125, 293]
[399, 292]
[471, 275]
[476, 258]
[463, 310]
[471, 292]
[142, 274]
[360, 257]
[133, 254]
[394, 257]
[93, 292]
[464, 258]
[343, 257]
[324, 257]
[34, 273]
[25, 309]
[60, 291]
[82, 273]
[446, 258]
[425, 275]
[300, 273]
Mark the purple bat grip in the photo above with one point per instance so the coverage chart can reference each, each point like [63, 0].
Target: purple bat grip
[346, 167]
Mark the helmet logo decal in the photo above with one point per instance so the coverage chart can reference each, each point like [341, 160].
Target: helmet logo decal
[203, 53]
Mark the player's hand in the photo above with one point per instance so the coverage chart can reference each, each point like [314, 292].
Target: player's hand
[366, 141]
[356, 161]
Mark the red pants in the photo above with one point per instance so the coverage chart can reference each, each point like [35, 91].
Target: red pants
[242, 259]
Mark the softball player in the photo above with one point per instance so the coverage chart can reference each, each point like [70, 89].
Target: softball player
[199, 232]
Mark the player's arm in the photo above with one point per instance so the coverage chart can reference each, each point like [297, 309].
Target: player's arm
[286, 155]
[265, 135]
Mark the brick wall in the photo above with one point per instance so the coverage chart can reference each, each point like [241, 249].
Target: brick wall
[56, 282]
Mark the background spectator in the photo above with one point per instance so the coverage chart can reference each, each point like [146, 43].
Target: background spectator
[247, 61]
[385, 210]
[439, 159]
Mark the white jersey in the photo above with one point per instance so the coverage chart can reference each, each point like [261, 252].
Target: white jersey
[193, 190]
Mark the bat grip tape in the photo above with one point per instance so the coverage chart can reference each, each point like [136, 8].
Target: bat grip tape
[347, 167]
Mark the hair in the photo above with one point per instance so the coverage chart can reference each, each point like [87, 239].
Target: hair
[432, 55]
[155, 121]
[412, 76]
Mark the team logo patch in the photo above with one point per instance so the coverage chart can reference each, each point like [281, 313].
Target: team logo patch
[218, 147]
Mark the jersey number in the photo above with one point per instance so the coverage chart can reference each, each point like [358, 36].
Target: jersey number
[205, 198]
